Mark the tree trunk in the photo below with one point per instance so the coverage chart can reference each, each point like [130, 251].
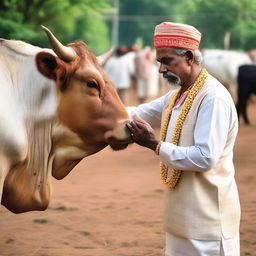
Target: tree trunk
[227, 38]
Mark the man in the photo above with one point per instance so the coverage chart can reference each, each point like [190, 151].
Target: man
[198, 131]
[144, 68]
[120, 68]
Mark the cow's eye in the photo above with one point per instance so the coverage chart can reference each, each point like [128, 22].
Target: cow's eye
[92, 84]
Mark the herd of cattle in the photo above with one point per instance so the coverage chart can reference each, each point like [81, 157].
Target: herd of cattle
[58, 106]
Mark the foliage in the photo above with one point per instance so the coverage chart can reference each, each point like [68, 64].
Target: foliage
[140, 18]
[69, 19]
[92, 20]
[213, 18]
[217, 18]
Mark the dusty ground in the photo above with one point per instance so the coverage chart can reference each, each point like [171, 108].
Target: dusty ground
[111, 205]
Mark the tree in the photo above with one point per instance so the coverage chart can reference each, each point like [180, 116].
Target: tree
[21, 19]
[223, 23]
[138, 19]
[228, 23]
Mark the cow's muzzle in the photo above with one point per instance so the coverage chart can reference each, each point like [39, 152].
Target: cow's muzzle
[120, 137]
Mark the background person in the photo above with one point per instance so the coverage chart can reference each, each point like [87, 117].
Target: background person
[120, 67]
[144, 63]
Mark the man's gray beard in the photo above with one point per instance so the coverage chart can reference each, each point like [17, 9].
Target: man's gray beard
[172, 78]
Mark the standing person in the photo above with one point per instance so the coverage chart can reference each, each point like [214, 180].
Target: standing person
[120, 68]
[198, 131]
[144, 62]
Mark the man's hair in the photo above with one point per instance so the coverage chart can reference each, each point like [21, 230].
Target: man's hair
[197, 54]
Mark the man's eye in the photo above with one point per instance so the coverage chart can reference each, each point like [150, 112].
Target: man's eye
[166, 61]
[92, 84]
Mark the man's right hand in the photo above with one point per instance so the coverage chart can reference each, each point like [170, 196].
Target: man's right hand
[142, 133]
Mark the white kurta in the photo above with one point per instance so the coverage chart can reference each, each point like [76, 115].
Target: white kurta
[216, 111]
[177, 246]
[216, 117]
[120, 70]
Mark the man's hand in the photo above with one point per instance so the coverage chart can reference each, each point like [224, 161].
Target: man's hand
[142, 133]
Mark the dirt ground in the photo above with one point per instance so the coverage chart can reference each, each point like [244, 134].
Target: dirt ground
[111, 205]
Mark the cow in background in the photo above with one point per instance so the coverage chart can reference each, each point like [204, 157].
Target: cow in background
[56, 107]
[252, 54]
[246, 87]
[223, 65]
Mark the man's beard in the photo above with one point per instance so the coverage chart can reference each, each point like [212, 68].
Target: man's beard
[172, 78]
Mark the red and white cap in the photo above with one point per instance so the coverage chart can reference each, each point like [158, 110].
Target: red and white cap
[169, 34]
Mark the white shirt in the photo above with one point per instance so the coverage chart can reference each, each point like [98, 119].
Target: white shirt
[216, 116]
[120, 70]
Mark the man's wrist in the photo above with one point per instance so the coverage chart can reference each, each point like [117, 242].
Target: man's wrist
[157, 150]
[152, 144]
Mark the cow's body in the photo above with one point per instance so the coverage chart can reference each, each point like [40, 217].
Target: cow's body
[223, 65]
[246, 87]
[51, 119]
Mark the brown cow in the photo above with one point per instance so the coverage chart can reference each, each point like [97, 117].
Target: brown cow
[50, 122]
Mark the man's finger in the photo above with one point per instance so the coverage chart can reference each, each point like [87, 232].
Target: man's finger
[129, 127]
[140, 122]
[134, 126]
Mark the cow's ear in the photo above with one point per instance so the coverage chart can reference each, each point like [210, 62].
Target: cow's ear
[51, 67]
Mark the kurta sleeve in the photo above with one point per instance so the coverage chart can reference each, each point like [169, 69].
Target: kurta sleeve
[150, 112]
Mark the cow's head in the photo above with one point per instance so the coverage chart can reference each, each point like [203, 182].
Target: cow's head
[89, 105]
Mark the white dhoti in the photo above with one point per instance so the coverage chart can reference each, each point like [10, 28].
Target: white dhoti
[176, 246]
[142, 87]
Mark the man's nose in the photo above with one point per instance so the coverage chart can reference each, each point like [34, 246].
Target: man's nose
[162, 68]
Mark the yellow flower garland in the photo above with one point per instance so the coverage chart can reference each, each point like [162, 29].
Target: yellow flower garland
[174, 176]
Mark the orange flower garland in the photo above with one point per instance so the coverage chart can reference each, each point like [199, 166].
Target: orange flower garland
[174, 176]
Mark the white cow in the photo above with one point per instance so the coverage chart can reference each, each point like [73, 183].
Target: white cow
[223, 65]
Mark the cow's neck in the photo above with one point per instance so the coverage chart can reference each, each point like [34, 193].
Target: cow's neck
[68, 150]
[53, 150]
[28, 184]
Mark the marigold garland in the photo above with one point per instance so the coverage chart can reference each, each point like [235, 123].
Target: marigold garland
[174, 175]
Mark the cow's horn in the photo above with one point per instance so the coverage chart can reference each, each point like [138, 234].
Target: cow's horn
[65, 53]
[103, 57]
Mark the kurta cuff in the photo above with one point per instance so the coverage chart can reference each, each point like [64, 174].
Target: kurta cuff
[168, 151]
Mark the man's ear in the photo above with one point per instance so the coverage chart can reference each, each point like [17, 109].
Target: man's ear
[189, 57]
[51, 67]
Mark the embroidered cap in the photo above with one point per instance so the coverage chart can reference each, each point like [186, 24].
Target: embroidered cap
[169, 34]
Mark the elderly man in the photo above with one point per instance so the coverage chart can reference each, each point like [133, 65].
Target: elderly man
[198, 131]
